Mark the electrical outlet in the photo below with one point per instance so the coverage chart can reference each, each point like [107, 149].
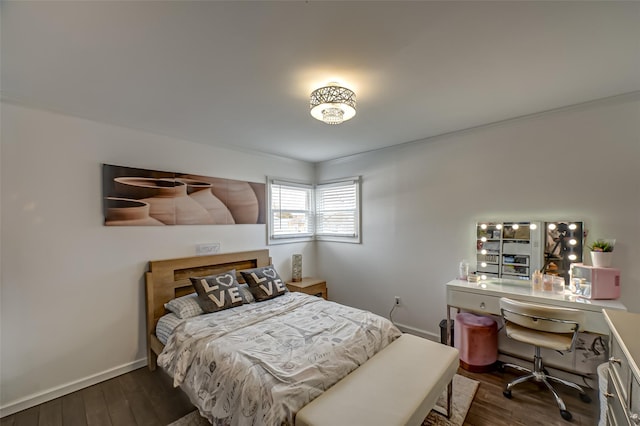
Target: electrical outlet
[397, 298]
[209, 248]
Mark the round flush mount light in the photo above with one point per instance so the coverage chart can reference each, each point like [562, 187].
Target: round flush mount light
[333, 104]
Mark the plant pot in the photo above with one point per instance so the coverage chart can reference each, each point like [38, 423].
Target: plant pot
[601, 259]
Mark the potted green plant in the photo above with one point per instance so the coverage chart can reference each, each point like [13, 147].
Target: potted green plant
[602, 252]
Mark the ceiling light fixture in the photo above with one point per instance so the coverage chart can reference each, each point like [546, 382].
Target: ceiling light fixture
[333, 104]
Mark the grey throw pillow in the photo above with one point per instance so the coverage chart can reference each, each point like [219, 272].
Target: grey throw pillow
[264, 283]
[218, 292]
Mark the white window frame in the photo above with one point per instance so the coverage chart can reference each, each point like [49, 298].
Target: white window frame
[290, 237]
[354, 235]
[313, 214]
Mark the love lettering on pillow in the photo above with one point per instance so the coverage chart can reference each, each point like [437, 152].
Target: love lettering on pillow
[218, 292]
[264, 283]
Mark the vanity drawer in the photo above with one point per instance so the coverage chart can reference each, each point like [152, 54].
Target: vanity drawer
[619, 368]
[634, 403]
[610, 421]
[474, 302]
[616, 412]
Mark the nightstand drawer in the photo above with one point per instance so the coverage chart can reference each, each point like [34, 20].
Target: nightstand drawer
[474, 302]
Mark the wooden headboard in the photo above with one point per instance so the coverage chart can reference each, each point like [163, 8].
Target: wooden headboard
[168, 279]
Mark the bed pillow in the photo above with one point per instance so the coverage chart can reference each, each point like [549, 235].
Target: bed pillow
[185, 306]
[166, 324]
[264, 283]
[246, 293]
[218, 292]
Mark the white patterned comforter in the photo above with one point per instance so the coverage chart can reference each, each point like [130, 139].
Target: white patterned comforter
[258, 364]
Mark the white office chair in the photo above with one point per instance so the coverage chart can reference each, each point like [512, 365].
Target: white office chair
[543, 327]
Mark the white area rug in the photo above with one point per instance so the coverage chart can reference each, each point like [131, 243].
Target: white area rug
[464, 389]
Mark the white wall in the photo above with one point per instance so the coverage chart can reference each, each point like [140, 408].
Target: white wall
[72, 289]
[421, 202]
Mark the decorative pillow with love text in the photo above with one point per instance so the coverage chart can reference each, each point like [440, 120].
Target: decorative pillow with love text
[264, 283]
[218, 292]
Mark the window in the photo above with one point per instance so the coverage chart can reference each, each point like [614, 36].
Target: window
[338, 210]
[290, 211]
[300, 212]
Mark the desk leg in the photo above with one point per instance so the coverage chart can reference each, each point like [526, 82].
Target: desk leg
[449, 343]
[448, 332]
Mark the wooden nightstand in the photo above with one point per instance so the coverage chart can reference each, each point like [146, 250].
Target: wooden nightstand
[308, 285]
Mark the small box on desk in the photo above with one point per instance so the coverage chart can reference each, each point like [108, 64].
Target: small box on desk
[595, 283]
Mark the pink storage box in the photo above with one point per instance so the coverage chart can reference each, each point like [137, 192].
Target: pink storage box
[476, 337]
[598, 283]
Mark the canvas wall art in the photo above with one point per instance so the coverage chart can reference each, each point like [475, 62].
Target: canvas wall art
[140, 197]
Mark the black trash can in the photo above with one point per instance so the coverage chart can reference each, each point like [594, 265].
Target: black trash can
[443, 332]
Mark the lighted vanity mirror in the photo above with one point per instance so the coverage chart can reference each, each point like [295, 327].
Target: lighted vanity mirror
[508, 249]
[513, 250]
[563, 245]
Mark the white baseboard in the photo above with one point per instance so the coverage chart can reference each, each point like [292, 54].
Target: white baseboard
[418, 332]
[58, 391]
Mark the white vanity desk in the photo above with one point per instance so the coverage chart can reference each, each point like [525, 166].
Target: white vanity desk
[484, 296]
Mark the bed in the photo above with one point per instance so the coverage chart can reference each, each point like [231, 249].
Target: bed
[169, 279]
[261, 363]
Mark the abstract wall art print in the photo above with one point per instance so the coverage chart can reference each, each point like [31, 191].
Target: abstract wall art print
[140, 197]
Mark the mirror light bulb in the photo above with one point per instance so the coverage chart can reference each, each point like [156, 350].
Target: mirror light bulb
[533, 226]
[573, 242]
[483, 239]
[483, 277]
[483, 264]
[572, 257]
[552, 226]
[499, 226]
[515, 226]
[483, 226]
[483, 251]
[573, 226]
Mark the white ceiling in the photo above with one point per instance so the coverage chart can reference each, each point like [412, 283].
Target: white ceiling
[239, 73]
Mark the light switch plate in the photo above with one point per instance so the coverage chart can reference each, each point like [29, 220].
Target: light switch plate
[208, 248]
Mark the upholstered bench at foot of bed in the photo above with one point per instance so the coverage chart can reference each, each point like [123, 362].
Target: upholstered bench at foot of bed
[397, 386]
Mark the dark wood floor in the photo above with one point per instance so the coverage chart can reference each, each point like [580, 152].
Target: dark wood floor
[145, 398]
[531, 405]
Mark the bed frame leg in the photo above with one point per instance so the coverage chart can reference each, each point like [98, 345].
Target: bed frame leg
[152, 360]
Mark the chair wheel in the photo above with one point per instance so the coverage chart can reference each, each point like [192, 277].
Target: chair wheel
[507, 394]
[565, 414]
[585, 398]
